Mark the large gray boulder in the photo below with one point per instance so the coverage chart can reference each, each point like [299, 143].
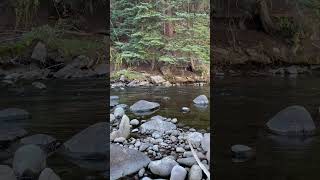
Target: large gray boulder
[39, 52]
[6, 173]
[48, 174]
[156, 124]
[29, 161]
[125, 161]
[293, 120]
[144, 106]
[13, 114]
[90, 143]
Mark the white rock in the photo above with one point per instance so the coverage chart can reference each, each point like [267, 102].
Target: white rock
[162, 167]
[195, 173]
[118, 112]
[195, 139]
[120, 139]
[112, 118]
[178, 173]
[180, 150]
[205, 143]
[134, 122]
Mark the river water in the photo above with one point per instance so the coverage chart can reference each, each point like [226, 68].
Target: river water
[242, 106]
[64, 109]
[179, 96]
[69, 106]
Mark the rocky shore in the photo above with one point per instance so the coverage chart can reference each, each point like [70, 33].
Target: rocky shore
[25, 156]
[43, 64]
[265, 70]
[156, 147]
[154, 80]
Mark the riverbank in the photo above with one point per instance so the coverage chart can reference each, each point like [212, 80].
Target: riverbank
[155, 147]
[164, 76]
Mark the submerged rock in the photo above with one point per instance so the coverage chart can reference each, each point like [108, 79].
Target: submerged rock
[144, 106]
[89, 143]
[13, 114]
[39, 85]
[125, 161]
[241, 152]
[201, 100]
[29, 161]
[293, 120]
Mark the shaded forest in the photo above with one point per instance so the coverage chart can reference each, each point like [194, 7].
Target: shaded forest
[154, 34]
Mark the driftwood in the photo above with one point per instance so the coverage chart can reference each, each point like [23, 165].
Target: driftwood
[204, 169]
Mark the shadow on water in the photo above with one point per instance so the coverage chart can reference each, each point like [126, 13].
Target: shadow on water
[64, 109]
[242, 106]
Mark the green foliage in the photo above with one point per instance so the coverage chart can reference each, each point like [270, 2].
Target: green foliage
[138, 35]
[55, 40]
[288, 27]
[128, 74]
[25, 11]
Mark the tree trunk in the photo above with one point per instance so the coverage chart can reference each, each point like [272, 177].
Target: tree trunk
[267, 23]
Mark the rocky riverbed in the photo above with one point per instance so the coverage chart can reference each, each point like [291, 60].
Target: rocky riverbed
[26, 156]
[155, 147]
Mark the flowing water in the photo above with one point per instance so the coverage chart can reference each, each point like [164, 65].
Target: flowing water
[64, 109]
[179, 97]
[69, 106]
[242, 106]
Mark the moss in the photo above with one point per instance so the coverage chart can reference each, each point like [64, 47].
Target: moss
[55, 39]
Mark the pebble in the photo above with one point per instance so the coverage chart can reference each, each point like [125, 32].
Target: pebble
[135, 130]
[174, 120]
[134, 122]
[180, 150]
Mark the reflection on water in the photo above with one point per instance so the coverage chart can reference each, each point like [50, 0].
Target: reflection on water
[242, 106]
[64, 109]
[171, 101]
